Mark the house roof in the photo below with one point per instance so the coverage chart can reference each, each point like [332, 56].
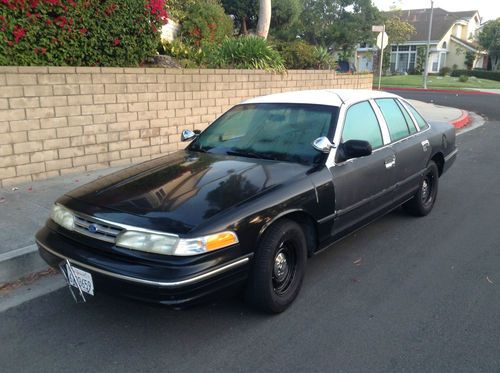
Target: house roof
[468, 44]
[442, 21]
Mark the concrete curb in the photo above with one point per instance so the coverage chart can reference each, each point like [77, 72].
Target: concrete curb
[19, 263]
[462, 121]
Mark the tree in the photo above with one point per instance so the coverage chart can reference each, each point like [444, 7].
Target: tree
[264, 18]
[399, 31]
[339, 24]
[489, 39]
[244, 13]
[285, 22]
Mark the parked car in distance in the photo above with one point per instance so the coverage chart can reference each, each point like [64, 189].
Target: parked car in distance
[271, 182]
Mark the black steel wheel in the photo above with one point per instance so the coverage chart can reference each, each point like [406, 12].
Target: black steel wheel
[423, 201]
[278, 267]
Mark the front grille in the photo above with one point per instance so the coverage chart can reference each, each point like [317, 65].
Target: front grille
[96, 229]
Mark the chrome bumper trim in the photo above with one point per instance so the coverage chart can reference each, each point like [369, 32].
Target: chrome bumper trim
[451, 155]
[173, 284]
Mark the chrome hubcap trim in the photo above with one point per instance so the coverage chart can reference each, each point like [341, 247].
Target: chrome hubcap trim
[280, 267]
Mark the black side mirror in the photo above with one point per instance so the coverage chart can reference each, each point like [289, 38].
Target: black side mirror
[353, 149]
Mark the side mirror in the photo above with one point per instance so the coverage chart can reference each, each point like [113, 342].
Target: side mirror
[353, 149]
[188, 135]
[323, 144]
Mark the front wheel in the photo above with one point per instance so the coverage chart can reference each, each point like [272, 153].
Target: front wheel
[423, 201]
[278, 267]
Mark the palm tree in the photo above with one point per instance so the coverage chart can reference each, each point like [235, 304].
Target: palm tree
[264, 18]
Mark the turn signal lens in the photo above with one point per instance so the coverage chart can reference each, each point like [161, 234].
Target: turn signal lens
[220, 240]
[195, 246]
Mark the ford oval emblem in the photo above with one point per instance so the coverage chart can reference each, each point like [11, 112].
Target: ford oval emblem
[92, 228]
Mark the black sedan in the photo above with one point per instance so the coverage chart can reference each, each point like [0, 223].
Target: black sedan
[272, 181]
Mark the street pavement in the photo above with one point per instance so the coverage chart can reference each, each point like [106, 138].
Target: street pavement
[403, 294]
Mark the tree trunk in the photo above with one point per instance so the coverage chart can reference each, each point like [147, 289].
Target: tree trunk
[264, 18]
[244, 29]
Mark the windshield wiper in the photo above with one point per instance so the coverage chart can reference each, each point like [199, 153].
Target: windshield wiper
[249, 154]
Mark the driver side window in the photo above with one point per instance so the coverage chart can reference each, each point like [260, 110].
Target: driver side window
[361, 124]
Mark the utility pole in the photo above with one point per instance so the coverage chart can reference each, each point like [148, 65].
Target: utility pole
[426, 69]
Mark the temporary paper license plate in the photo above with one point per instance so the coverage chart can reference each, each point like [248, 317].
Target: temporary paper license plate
[80, 279]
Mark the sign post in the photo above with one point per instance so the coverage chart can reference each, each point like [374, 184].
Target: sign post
[382, 41]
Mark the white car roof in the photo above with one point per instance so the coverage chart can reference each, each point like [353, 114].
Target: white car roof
[330, 97]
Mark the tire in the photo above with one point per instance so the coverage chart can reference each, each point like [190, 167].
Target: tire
[423, 201]
[278, 267]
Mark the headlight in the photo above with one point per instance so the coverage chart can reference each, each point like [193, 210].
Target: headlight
[153, 243]
[168, 245]
[62, 216]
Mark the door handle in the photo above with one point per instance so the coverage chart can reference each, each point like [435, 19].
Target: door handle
[390, 162]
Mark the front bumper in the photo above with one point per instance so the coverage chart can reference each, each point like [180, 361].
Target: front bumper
[165, 283]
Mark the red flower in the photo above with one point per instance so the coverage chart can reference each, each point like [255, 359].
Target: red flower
[116, 42]
[83, 30]
[43, 50]
[18, 33]
[33, 4]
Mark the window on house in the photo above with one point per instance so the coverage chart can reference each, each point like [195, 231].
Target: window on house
[444, 45]
[404, 48]
[413, 48]
[394, 48]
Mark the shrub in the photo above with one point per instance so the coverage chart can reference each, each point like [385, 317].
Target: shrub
[84, 33]
[482, 74]
[444, 71]
[463, 78]
[187, 55]
[246, 52]
[297, 54]
[206, 22]
[323, 59]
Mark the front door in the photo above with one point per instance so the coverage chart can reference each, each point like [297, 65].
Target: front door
[363, 186]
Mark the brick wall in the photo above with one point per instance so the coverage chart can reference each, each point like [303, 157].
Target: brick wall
[57, 120]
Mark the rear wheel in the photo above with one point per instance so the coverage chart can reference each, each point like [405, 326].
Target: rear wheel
[278, 267]
[423, 201]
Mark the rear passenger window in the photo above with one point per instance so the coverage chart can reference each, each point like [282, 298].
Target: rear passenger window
[422, 124]
[394, 118]
[361, 124]
[408, 119]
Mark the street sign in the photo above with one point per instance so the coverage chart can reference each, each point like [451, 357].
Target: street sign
[382, 40]
[378, 28]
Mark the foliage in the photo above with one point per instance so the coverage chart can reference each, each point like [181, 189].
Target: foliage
[399, 31]
[482, 74]
[300, 55]
[285, 21]
[246, 52]
[463, 78]
[206, 22]
[444, 71]
[489, 39]
[177, 9]
[340, 24]
[83, 33]
[297, 54]
[244, 12]
[420, 60]
[323, 59]
[187, 55]
[469, 59]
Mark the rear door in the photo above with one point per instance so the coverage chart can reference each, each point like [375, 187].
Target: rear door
[362, 185]
[410, 146]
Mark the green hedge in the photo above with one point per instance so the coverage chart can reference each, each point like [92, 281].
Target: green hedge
[79, 32]
[481, 74]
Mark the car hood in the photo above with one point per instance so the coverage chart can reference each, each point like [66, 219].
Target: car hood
[181, 191]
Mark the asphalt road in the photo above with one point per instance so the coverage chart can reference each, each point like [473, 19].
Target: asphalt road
[424, 297]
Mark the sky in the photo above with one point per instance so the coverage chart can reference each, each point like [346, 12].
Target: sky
[488, 9]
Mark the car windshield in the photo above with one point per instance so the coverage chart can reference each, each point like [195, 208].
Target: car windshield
[282, 132]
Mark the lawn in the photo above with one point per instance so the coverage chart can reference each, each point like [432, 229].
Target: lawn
[435, 82]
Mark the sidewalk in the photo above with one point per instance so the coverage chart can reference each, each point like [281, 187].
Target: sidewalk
[25, 208]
